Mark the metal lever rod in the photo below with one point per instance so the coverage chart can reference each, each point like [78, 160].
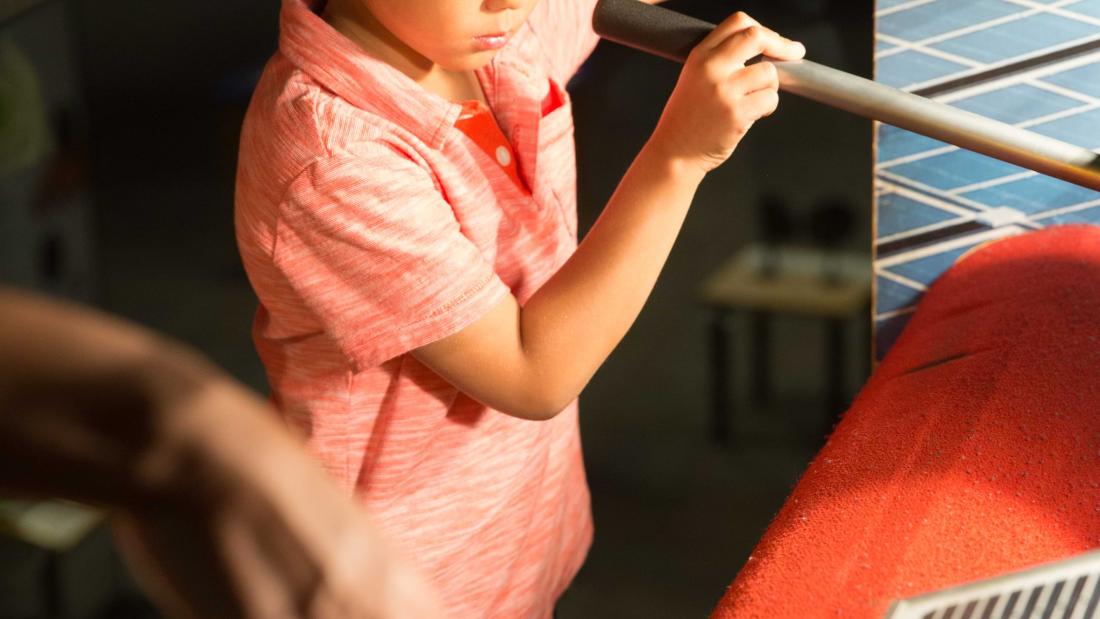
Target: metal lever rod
[673, 35]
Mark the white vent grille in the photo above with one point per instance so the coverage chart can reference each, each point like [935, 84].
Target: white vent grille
[1065, 590]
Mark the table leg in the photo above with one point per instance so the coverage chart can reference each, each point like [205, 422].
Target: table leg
[54, 605]
[761, 357]
[834, 363]
[720, 366]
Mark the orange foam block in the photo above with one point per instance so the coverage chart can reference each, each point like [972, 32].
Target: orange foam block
[973, 450]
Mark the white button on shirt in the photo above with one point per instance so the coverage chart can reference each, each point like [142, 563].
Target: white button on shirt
[503, 156]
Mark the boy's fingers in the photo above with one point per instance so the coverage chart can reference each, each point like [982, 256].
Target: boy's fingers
[760, 76]
[761, 103]
[734, 23]
[796, 47]
[788, 49]
[791, 50]
[753, 41]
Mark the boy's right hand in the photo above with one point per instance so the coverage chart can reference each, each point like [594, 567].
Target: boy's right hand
[718, 99]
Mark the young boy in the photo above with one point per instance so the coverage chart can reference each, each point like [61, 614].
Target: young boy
[406, 211]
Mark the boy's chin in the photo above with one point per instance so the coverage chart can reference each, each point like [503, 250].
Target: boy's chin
[469, 62]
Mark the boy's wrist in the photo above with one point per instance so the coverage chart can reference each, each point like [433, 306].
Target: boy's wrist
[657, 155]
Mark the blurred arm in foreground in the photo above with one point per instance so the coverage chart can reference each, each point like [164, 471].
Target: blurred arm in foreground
[217, 507]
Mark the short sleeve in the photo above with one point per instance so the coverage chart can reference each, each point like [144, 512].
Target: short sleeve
[564, 27]
[374, 251]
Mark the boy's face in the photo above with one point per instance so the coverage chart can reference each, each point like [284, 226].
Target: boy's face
[457, 35]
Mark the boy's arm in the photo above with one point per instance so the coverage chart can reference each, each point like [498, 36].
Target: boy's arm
[532, 361]
[212, 497]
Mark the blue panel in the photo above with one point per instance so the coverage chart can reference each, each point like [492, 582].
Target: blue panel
[955, 169]
[1091, 8]
[1034, 195]
[930, 268]
[889, 4]
[1087, 216]
[909, 67]
[1018, 38]
[894, 143]
[894, 296]
[887, 331]
[898, 214]
[1084, 79]
[1017, 104]
[929, 20]
[1024, 33]
[1080, 129]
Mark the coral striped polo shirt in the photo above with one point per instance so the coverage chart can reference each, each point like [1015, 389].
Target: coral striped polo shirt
[370, 225]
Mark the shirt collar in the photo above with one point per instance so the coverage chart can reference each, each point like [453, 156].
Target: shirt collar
[366, 82]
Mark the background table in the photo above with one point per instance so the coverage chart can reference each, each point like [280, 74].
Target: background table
[761, 282]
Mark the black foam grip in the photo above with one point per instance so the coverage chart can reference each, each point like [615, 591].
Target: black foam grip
[652, 29]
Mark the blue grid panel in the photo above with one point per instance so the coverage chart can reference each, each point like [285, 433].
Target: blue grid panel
[930, 268]
[1038, 197]
[1090, 8]
[898, 214]
[1017, 38]
[1084, 79]
[1017, 104]
[1086, 216]
[1034, 195]
[1081, 129]
[955, 169]
[894, 143]
[910, 67]
[894, 296]
[883, 46]
[887, 331]
[929, 20]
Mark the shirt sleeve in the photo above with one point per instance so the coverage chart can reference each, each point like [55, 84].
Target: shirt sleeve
[564, 27]
[376, 254]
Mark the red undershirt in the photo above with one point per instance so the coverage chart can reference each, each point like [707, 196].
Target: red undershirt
[478, 123]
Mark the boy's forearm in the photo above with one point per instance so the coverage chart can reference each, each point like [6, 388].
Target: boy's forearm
[577, 318]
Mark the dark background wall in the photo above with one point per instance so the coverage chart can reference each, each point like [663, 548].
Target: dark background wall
[160, 51]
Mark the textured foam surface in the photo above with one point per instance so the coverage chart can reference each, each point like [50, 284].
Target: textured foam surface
[972, 451]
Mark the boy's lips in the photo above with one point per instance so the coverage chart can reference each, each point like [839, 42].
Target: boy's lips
[493, 41]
